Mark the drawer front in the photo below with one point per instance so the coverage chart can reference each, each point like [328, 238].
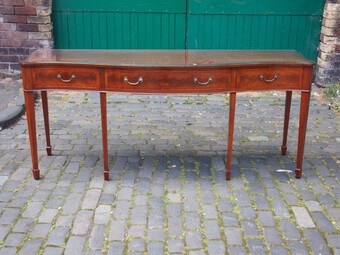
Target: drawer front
[268, 78]
[181, 80]
[63, 78]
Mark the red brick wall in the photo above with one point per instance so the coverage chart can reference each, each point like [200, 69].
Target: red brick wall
[328, 64]
[25, 25]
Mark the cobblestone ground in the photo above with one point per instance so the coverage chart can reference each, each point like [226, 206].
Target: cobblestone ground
[167, 193]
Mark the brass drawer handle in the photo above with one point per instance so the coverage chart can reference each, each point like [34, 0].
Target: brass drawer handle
[261, 77]
[140, 80]
[73, 77]
[203, 83]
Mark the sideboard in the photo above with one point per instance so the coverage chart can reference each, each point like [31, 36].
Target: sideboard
[167, 72]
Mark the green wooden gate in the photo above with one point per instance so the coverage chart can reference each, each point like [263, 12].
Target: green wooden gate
[188, 24]
[119, 24]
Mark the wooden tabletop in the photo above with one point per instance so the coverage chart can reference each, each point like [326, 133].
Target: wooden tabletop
[165, 57]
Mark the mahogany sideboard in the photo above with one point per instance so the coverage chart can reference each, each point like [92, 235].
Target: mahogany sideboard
[166, 71]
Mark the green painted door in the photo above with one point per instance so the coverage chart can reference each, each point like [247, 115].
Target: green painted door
[189, 24]
[123, 24]
[255, 24]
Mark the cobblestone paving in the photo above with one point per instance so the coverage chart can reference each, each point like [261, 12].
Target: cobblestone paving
[167, 193]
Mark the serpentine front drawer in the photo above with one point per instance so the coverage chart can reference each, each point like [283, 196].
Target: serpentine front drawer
[168, 80]
[83, 78]
[268, 78]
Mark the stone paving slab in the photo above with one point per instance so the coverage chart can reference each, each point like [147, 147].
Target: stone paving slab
[167, 193]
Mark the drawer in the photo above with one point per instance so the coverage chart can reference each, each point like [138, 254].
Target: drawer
[268, 78]
[168, 80]
[63, 78]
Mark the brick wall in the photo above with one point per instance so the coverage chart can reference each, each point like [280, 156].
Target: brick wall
[328, 64]
[25, 25]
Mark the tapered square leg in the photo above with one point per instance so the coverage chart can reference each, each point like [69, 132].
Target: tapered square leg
[232, 104]
[103, 111]
[32, 133]
[304, 108]
[286, 122]
[46, 122]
